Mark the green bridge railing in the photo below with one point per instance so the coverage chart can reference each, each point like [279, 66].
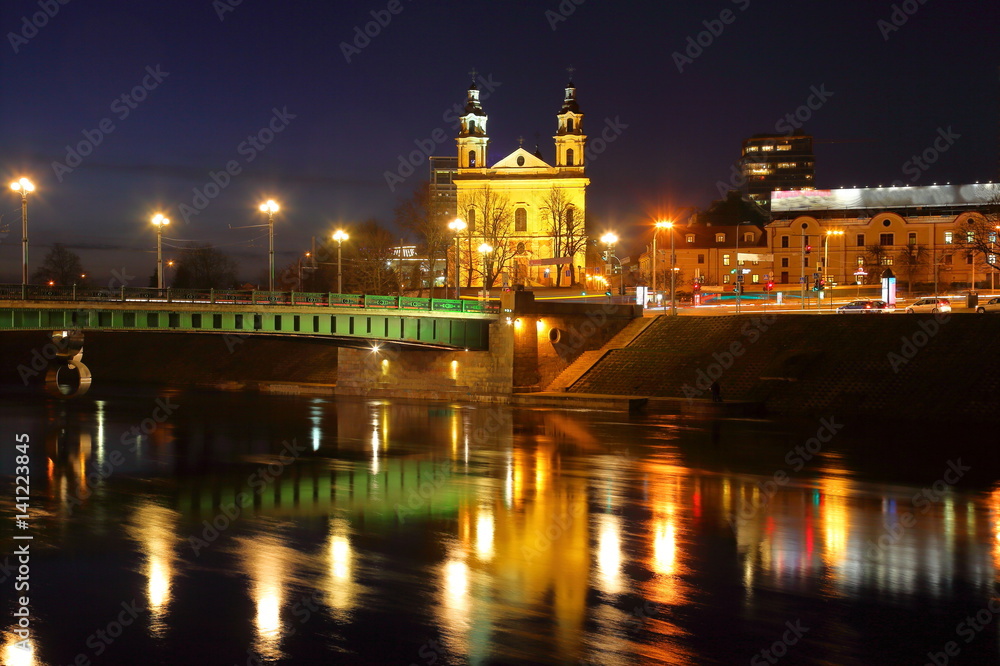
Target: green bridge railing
[239, 297]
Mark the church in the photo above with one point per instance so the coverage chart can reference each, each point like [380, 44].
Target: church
[530, 214]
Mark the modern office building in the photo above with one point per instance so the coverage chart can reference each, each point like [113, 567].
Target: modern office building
[777, 162]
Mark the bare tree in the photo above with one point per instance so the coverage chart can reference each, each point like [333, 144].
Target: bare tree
[205, 267]
[426, 217]
[877, 259]
[494, 226]
[978, 234]
[566, 227]
[910, 260]
[369, 262]
[61, 266]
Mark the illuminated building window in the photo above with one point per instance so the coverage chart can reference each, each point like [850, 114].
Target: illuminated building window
[725, 260]
[911, 238]
[786, 165]
[520, 220]
[784, 147]
[970, 237]
[689, 238]
[949, 237]
[720, 238]
[886, 260]
[725, 279]
[755, 279]
[767, 147]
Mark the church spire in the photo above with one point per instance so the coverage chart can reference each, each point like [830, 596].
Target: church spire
[570, 139]
[472, 140]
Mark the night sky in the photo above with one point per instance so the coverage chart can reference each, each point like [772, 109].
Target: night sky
[212, 74]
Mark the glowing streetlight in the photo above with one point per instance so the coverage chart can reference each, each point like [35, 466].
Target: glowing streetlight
[457, 226]
[340, 236]
[160, 222]
[610, 239]
[826, 250]
[666, 224]
[485, 250]
[270, 207]
[23, 186]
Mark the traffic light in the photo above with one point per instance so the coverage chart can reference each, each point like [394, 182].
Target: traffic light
[809, 249]
[696, 286]
[817, 285]
[769, 285]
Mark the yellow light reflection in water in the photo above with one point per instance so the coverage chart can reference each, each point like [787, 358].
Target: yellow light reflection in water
[267, 562]
[664, 546]
[154, 527]
[455, 602]
[484, 533]
[16, 653]
[341, 590]
[994, 502]
[609, 553]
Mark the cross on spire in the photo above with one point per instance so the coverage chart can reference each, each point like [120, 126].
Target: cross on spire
[520, 141]
[473, 74]
[571, 69]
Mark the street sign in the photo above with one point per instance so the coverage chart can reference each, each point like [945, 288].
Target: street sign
[739, 278]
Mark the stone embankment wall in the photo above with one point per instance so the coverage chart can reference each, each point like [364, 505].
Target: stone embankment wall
[894, 366]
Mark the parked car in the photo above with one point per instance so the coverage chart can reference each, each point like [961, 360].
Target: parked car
[932, 304]
[864, 307]
[992, 305]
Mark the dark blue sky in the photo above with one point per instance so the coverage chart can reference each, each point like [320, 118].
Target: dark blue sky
[221, 80]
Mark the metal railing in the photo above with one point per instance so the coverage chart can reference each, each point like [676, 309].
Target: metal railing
[33, 292]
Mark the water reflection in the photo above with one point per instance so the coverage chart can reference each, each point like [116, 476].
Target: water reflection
[549, 537]
[154, 527]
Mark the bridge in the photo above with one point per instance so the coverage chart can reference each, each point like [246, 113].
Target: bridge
[347, 319]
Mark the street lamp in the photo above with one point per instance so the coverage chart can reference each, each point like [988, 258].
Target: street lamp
[340, 236]
[610, 239]
[270, 207]
[826, 249]
[160, 222]
[457, 226]
[485, 249]
[23, 185]
[664, 224]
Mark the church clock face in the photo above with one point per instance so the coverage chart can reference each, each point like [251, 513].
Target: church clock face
[520, 160]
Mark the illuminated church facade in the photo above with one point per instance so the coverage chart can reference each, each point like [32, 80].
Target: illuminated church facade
[530, 212]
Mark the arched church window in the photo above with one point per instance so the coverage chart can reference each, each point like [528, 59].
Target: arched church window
[472, 127]
[569, 125]
[569, 157]
[471, 218]
[520, 220]
[570, 215]
[472, 159]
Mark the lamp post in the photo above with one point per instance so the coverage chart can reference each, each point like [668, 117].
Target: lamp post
[457, 226]
[23, 186]
[340, 236]
[826, 249]
[610, 239]
[160, 222]
[270, 207]
[664, 224]
[485, 250]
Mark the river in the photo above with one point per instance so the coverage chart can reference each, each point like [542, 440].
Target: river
[173, 527]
